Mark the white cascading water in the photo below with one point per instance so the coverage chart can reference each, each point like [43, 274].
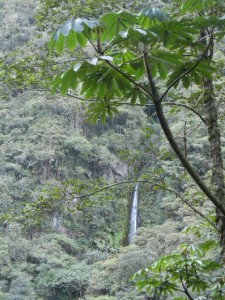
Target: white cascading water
[133, 222]
[55, 220]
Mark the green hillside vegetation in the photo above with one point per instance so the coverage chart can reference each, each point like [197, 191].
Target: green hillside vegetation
[68, 166]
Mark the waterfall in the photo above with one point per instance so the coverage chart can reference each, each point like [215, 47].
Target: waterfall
[133, 221]
[55, 221]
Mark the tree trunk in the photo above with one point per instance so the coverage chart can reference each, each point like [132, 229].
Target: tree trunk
[215, 155]
[211, 118]
[217, 195]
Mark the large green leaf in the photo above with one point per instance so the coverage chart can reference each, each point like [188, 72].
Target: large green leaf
[191, 5]
[102, 90]
[197, 5]
[168, 58]
[77, 25]
[123, 83]
[66, 27]
[154, 13]
[186, 81]
[153, 68]
[176, 73]
[205, 69]
[151, 15]
[56, 83]
[59, 45]
[71, 40]
[69, 79]
[162, 69]
[138, 68]
[116, 22]
[72, 31]
[82, 40]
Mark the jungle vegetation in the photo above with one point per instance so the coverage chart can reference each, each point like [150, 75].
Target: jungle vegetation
[96, 96]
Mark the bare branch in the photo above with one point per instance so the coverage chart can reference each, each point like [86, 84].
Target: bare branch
[186, 164]
[149, 182]
[187, 107]
[191, 206]
[146, 105]
[110, 186]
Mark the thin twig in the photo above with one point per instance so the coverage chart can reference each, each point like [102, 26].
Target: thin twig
[188, 107]
[150, 182]
[192, 207]
[110, 186]
[146, 105]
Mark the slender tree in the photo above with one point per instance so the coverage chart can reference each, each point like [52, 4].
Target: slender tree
[137, 58]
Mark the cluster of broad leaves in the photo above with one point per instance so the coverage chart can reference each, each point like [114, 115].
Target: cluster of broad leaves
[113, 68]
[57, 10]
[186, 274]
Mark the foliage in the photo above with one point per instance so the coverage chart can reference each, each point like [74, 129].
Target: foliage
[47, 140]
[111, 73]
[52, 12]
[71, 280]
[21, 287]
[187, 272]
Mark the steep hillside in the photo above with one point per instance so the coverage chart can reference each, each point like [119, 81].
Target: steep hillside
[63, 234]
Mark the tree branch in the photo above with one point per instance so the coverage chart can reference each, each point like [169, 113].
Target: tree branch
[192, 207]
[185, 289]
[140, 87]
[150, 182]
[188, 167]
[146, 105]
[188, 71]
[152, 85]
[187, 107]
[166, 129]
[110, 186]
[90, 41]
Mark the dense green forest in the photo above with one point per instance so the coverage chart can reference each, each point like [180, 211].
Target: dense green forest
[101, 102]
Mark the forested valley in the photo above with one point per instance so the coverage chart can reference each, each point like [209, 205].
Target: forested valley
[112, 144]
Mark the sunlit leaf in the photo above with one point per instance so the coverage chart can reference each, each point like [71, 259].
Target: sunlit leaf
[81, 39]
[93, 61]
[66, 27]
[77, 66]
[154, 13]
[91, 23]
[77, 25]
[106, 57]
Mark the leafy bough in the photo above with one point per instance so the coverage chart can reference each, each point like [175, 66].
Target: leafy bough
[136, 57]
[185, 274]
